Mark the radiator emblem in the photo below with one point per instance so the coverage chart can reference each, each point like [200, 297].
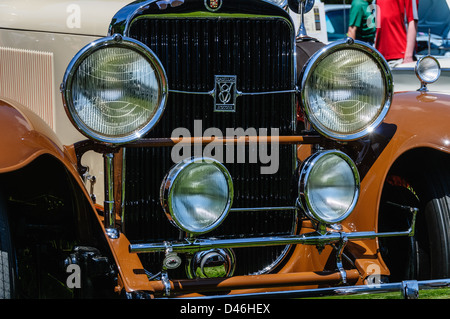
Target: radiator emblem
[225, 93]
[213, 5]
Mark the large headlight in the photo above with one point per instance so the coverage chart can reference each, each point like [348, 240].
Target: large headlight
[197, 194]
[115, 90]
[328, 186]
[347, 90]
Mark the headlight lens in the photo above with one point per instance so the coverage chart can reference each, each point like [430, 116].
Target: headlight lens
[346, 90]
[329, 186]
[428, 69]
[115, 90]
[197, 194]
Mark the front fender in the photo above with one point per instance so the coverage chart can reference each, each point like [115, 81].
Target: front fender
[24, 136]
[417, 120]
[422, 120]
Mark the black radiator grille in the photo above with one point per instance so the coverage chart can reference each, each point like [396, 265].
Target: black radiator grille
[192, 51]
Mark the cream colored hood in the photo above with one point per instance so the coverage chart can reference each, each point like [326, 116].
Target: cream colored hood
[87, 17]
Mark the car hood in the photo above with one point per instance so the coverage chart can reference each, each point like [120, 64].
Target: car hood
[86, 17]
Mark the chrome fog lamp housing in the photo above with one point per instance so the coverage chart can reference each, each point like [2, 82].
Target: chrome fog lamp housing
[197, 194]
[428, 70]
[347, 89]
[114, 90]
[213, 263]
[329, 186]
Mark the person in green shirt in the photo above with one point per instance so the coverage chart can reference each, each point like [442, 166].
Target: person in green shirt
[362, 22]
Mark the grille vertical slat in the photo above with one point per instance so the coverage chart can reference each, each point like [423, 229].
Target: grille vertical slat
[192, 51]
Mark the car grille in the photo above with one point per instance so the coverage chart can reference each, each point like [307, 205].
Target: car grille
[193, 50]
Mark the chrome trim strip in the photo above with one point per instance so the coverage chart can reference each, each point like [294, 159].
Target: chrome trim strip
[109, 203]
[314, 238]
[122, 200]
[343, 291]
[211, 93]
[260, 209]
[238, 93]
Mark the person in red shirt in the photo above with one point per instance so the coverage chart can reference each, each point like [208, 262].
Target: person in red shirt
[396, 30]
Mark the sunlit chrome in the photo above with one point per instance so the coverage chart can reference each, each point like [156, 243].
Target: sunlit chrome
[328, 186]
[280, 3]
[163, 4]
[109, 206]
[213, 263]
[238, 93]
[197, 194]
[346, 90]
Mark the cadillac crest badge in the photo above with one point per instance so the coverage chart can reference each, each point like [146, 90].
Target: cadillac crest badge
[225, 93]
[213, 5]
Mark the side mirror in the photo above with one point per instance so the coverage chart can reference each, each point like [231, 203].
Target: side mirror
[296, 5]
[301, 7]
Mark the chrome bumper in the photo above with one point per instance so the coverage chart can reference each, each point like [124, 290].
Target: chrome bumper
[319, 238]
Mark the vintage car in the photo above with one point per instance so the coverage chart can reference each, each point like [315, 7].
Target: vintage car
[207, 148]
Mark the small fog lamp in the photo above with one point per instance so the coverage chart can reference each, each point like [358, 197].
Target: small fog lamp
[197, 195]
[328, 186]
[428, 70]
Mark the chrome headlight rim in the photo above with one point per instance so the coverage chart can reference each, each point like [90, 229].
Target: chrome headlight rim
[166, 194]
[119, 41]
[303, 196]
[417, 69]
[280, 3]
[312, 63]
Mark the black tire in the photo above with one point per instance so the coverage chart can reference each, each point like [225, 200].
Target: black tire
[7, 257]
[436, 199]
[426, 255]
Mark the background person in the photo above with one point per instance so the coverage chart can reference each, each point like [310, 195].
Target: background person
[361, 21]
[397, 30]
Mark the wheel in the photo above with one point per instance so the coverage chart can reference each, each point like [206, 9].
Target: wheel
[426, 255]
[7, 258]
